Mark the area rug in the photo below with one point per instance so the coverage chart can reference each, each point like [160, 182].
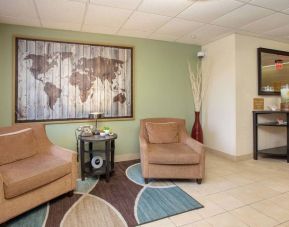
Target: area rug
[125, 201]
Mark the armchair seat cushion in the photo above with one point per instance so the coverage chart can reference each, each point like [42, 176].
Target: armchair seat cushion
[31, 173]
[172, 154]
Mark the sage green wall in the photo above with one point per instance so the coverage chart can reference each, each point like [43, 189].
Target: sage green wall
[162, 85]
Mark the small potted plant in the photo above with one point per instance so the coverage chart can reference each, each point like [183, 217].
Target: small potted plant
[106, 130]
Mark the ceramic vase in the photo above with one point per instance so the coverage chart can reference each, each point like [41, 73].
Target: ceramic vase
[197, 132]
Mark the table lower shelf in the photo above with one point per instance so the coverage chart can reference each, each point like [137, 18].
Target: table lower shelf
[276, 151]
[89, 170]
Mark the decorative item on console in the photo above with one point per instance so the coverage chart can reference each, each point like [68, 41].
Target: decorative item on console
[258, 103]
[284, 98]
[198, 90]
[280, 121]
[272, 107]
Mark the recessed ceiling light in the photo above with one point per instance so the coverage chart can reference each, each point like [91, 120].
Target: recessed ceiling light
[193, 36]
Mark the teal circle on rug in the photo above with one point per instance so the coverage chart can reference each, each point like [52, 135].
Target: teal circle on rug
[34, 217]
[157, 203]
[134, 173]
[87, 185]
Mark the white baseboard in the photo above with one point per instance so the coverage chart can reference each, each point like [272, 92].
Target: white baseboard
[126, 157]
[228, 156]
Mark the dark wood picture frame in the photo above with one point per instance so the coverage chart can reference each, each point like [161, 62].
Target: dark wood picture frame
[261, 50]
[101, 75]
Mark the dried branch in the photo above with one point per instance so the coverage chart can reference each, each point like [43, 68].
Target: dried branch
[197, 83]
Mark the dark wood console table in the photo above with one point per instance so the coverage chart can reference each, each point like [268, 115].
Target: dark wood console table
[108, 163]
[276, 151]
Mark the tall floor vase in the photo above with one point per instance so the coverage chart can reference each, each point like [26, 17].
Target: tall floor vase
[197, 132]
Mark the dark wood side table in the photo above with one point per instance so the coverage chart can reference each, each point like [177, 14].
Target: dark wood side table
[276, 151]
[108, 163]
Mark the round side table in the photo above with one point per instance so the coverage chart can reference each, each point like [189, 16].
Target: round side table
[108, 163]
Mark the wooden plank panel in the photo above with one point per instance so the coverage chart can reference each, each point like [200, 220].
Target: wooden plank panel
[30, 81]
[64, 79]
[107, 85]
[78, 68]
[122, 78]
[56, 72]
[101, 84]
[115, 88]
[48, 80]
[87, 71]
[121, 85]
[21, 81]
[94, 106]
[99, 87]
[105, 68]
[71, 88]
[39, 75]
[128, 81]
[123, 55]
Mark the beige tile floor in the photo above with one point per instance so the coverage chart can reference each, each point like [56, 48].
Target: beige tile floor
[245, 193]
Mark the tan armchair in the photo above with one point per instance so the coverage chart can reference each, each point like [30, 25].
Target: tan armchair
[32, 169]
[184, 159]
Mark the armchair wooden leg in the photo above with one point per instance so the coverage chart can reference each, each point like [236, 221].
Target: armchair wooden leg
[146, 180]
[199, 181]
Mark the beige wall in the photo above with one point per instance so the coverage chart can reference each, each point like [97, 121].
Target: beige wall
[219, 107]
[246, 59]
[231, 64]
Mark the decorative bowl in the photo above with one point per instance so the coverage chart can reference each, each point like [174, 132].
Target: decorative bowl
[102, 133]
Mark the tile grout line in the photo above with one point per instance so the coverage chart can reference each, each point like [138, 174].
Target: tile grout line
[84, 15]
[133, 11]
[37, 12]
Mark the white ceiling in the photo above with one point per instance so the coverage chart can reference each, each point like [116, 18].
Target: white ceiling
[184, 21]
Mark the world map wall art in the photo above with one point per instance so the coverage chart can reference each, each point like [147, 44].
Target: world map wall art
[56, 81]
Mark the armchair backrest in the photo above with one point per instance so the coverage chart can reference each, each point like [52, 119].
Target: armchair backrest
[38, 131]
[181, 126]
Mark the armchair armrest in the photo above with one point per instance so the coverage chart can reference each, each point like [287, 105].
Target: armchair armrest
[143, 148]
[63, 153]
[199, 148]
[69, 156]
[194, 144]
[143, 143]
[1, 189]
[144, 156]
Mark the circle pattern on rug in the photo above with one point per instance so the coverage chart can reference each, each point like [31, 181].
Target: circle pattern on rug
[34, 217]
[92, 211]
[87, 185]
[135, 175]
[157, 203]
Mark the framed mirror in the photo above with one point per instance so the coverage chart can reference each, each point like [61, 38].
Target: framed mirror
[273, 71]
